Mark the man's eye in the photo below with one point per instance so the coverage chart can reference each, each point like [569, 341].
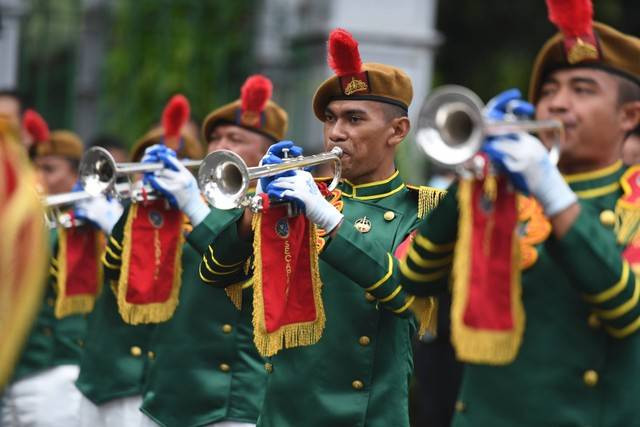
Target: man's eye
[583, 90]
[328, 118]
[355, 119]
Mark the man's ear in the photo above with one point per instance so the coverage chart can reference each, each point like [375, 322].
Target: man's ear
[629, 116]
[400, 127]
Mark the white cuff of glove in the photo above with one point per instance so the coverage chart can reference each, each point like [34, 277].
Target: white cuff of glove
[324, 215]
[554, 193]
[196, 210]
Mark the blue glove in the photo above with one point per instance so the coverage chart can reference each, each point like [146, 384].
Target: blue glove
[506, 104]
[274, 155]
[176, 184]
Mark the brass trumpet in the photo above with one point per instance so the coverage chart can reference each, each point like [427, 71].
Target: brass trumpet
[98, 171]
[224, 177]
[452, 128]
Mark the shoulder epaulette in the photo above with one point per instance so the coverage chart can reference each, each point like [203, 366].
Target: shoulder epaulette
[428, 198]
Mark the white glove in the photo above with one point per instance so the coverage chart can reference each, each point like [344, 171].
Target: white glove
[527, 162]
[180, 187]
[301, 188]
[100, 211]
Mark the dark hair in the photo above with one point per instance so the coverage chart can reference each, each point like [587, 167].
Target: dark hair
[107, 141]
[392, 111]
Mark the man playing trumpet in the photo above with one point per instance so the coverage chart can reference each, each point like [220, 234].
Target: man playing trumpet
[573, 360]
[357, 370]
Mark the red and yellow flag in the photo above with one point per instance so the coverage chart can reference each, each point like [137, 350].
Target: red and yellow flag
[487, 315]
[78, 269]
[150, 277]
[287, 303]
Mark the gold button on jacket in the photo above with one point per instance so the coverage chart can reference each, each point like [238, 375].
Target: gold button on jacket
[136, 351]
[357, 384]
[590, 378]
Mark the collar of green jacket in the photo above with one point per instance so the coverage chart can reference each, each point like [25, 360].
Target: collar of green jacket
[597, 183]
[373, 190]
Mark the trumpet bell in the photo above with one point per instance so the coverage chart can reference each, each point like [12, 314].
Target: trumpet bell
[97, 171]
[223, 179]
[450, 125]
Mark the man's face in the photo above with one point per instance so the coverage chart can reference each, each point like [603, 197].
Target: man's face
[586, 102]
[249, 145]
[56, 173]
[362, 130]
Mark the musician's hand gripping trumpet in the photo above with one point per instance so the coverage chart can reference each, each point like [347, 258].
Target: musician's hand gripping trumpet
[452, 128]
[224, 177]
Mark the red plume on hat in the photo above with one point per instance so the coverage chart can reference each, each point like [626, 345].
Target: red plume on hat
[35, 126]
[254, 95]
[344, 56]
[574, 18]
[174, 116]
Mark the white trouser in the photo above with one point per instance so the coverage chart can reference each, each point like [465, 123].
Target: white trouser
[48, 398]
[148, 422]
[122, 412]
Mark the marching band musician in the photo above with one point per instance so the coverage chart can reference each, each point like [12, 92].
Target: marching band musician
[42, 391]
[117, 354]
[357, 371]
[206, 369]
[574, 358]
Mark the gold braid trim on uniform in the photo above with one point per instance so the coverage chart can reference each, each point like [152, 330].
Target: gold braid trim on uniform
[234, 292]
[66, 305]
[428, 198]
[157, 312]
[481, 346]
[287, 336]
[614, 290]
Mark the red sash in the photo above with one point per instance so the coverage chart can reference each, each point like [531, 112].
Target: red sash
[487, 316]
[79, 270]
[150, 279]
[288, 310]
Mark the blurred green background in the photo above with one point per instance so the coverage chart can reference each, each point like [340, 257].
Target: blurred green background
[204, 49]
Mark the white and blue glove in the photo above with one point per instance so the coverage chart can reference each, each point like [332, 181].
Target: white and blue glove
[302, 189]
[524, 158]
[274, 155]
[175, 183]
[100, 211]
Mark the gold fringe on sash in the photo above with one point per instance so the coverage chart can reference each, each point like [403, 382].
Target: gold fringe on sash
[157, 312]
[287, 336]
[77, 304]
[473, 345]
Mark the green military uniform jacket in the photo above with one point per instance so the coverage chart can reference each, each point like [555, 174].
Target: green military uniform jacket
[206, 367]
[580, 356]
[358, 373]
[52, 341]
[116, 353]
